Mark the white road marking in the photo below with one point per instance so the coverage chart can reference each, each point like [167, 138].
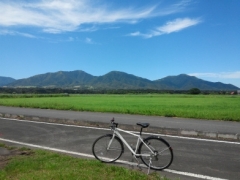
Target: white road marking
[120, 161]
[193, 175]
[47, 148]
[107, 129]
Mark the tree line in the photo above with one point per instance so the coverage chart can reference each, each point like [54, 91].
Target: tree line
[4, 90]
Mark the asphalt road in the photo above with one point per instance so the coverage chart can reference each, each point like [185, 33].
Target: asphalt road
[195, 157]
[155, 121]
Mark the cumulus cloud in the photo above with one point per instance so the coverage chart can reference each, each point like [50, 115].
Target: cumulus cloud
[222, 75]
[57, 16]
[170, 27]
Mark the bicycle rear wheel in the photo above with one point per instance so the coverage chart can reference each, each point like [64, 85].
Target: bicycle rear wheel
[105, 150]
[163, 154]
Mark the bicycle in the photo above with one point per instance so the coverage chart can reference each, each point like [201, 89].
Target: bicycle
[154, 151]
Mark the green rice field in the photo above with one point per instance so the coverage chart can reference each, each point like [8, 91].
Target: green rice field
[215, 107]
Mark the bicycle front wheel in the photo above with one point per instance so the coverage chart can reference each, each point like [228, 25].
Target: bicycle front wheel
[162, 155]
[107, 149]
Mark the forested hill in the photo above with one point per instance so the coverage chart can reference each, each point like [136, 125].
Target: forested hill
[6, 80]
[185, 82]
[114, 80]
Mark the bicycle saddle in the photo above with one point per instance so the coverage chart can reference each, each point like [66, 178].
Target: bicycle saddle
[143, 125]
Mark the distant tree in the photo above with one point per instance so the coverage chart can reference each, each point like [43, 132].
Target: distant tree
[194, 91]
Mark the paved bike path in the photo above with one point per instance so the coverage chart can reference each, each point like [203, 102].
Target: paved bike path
[214, 129]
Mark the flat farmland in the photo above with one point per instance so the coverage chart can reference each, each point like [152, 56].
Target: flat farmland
[214, 107]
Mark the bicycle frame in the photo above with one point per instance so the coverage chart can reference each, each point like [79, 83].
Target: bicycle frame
[116, 133]
[156, 154]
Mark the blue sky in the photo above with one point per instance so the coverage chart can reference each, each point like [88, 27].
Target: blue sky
[150, 39]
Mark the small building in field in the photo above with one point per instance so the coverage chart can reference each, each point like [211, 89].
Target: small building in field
[238, 92]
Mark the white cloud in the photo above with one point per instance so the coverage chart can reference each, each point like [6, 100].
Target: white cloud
[221, 75]
[88, 29]
[56, 16]
[177, 25]
[15, 33]
[88, 40]
[170, 27]
[71, 39]
[137, 33]
[91, 41]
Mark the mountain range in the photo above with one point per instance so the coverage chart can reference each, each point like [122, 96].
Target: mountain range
[113, 80]
[6, 80]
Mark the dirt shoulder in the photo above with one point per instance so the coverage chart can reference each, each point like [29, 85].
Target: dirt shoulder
[6, 153]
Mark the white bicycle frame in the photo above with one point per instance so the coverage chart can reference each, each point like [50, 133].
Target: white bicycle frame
[116, 133]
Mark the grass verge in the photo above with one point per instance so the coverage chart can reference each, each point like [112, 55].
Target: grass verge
[41, 164]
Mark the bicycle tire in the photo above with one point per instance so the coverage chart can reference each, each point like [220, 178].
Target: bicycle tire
[163, 156]
[103, 154]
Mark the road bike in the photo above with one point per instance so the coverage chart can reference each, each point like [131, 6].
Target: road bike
[154, 151]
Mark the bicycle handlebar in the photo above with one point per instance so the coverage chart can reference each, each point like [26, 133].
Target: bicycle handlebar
[114, 125]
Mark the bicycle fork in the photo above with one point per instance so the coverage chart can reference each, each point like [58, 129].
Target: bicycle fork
[110, 142]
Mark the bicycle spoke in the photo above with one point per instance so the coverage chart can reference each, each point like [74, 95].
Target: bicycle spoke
[103, 153]
[161, 156]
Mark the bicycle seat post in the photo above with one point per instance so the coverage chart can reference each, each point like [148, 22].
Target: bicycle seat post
[141, 131]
